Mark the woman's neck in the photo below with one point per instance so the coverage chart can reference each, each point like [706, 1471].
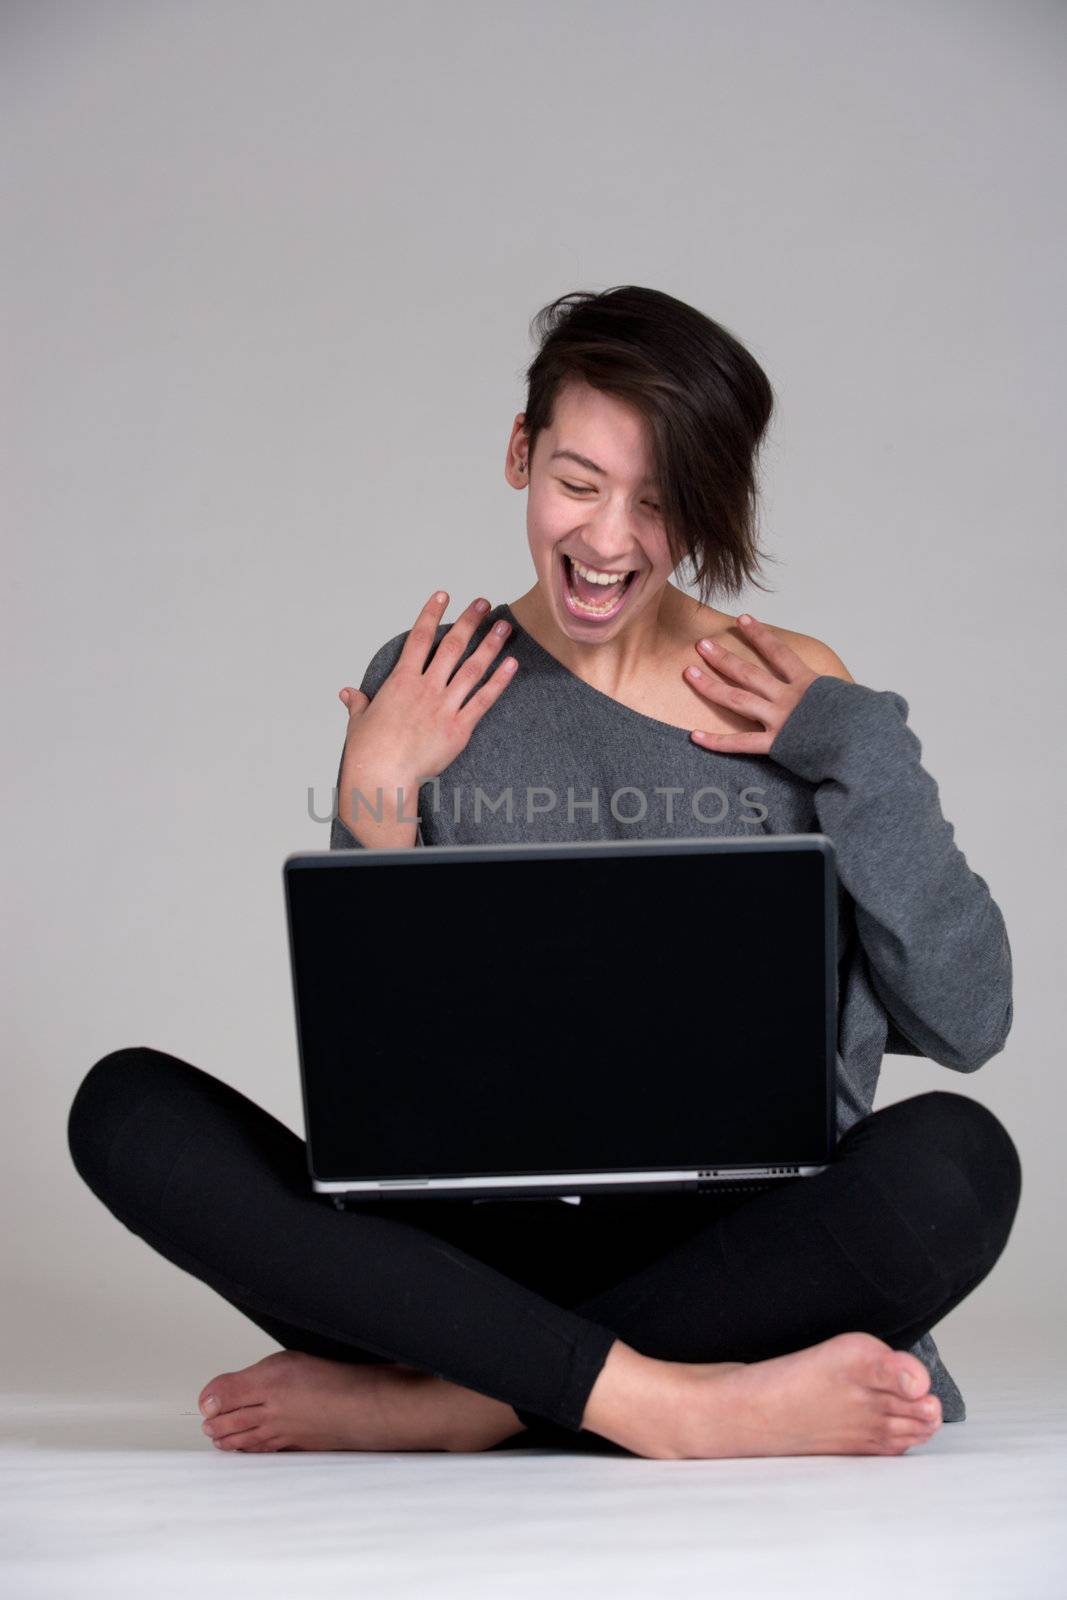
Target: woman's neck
[620, 664]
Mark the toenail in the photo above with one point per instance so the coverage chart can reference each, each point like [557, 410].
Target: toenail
[909, 1383]
[206, 1427]
[210, 1405]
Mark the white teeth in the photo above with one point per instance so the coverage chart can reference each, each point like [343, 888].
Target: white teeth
[598, 577]
[594, 611]
[611, 603]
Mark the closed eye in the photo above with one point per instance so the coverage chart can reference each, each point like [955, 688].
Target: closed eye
[577, 488]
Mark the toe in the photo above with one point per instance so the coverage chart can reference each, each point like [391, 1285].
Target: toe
[903, 1431]
[236, 1421]
[904, 1374]
[914, 1378]
[252, 1441]
[226, 1392]
[209, 1400]
[921, 1421]
[898, 1436]
[926, 1412]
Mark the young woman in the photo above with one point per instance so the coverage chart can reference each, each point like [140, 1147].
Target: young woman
[795, 1321]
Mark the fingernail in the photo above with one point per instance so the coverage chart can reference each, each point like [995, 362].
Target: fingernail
[210, 1406]
[481, 605]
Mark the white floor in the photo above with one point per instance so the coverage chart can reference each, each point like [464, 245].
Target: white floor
[125, 1497]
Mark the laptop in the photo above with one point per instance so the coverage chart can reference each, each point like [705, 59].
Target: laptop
[522, 1021]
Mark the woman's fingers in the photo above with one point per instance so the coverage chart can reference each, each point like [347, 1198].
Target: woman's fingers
[750, 674]
[729, 744]
[419, 642]
[489, 693]
[417, 721]
[753, 706]
[456, 684]
[416, 646]
[476, 663]
[456, 641]
[784, 659]
[749, 689]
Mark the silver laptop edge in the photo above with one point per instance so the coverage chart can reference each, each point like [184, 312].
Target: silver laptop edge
[592, 1179]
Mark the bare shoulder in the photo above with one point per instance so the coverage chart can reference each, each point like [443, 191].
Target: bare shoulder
[823, 661]
[698, 621]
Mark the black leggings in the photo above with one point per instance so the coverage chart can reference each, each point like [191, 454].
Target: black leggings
[522, 1300]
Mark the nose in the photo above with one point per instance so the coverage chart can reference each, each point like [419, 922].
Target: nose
[608, 538]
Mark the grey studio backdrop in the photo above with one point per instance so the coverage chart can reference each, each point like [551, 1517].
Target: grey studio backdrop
[269, 274]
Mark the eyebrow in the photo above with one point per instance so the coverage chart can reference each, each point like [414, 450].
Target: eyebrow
[590, 466]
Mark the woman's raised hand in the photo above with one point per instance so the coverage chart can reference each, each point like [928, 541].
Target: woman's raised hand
[767, 697]
[417, 723]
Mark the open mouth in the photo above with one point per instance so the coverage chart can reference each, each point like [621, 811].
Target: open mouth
[592, 601]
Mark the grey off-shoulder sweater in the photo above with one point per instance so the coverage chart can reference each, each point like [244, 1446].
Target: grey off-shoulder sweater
[925, 966]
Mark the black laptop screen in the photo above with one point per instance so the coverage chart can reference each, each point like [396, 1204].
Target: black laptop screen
[575, 1012]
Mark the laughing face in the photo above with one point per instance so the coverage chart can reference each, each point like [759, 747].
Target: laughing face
[593, 518]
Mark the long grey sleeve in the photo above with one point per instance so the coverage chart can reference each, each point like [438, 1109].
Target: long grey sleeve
[935, 939]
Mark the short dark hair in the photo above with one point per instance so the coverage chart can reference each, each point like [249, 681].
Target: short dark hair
[707, 403]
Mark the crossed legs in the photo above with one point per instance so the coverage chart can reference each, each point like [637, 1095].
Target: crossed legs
[558, 1314]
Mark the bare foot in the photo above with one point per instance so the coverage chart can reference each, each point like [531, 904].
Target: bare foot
[840, 1397]
[293, 1401]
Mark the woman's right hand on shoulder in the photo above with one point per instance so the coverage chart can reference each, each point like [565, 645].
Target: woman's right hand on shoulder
[417, 723]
